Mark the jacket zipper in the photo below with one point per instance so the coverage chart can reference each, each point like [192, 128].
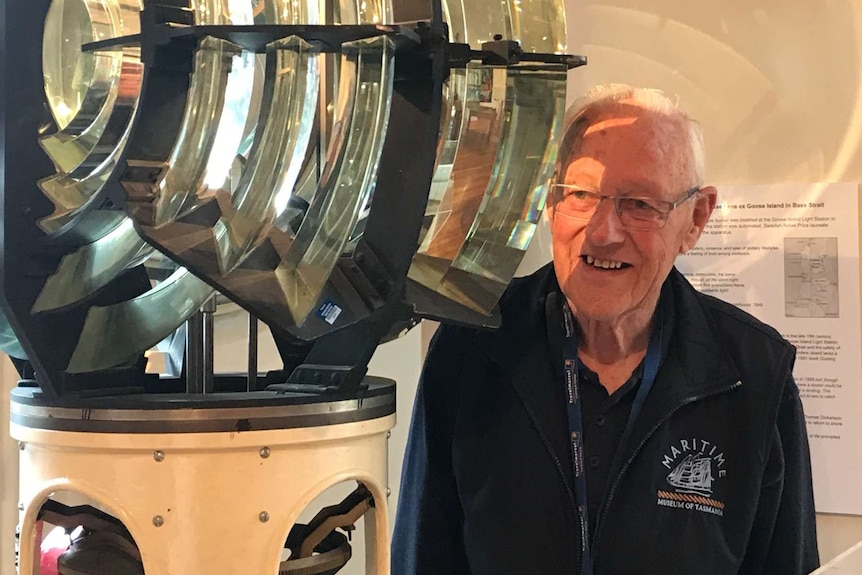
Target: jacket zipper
[624, 468]
[572, 505]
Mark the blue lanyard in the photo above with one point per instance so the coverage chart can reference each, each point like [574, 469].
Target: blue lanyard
[576, 423]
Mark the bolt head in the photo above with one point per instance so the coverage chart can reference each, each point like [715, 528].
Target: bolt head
[264, 516]
[158, 520]
[265, 452]
[159, 456]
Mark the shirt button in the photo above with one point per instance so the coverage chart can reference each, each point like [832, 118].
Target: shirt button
[600, 420]
[594, 461]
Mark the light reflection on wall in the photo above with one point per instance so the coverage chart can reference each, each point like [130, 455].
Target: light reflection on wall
[776, 85]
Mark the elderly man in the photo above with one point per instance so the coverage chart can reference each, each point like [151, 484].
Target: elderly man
[619, 422]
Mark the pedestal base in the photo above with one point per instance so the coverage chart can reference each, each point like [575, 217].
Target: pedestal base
[207, 503]
[220, 503]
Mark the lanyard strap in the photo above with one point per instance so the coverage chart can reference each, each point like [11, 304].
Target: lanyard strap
[576, 424]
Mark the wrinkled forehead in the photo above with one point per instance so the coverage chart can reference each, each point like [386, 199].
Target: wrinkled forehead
[625, 136]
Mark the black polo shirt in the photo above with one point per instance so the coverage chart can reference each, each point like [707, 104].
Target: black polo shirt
[605, 415]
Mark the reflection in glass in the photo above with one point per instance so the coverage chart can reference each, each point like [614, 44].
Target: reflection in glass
[466, 154]
[512, 207]
[274, 163]
[92, 97]
[346, 184]
[466, 159]
[212, 129]
[497, 141]
[480, 225]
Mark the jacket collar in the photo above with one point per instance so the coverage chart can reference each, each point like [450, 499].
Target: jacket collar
[695, 363]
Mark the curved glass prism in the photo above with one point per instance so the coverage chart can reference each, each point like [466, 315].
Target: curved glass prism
[288, 167]
[84, 272]
[92, 97]
[498, 132]
[74, 191]
[116, 335]
[346, 187]
[71, 146]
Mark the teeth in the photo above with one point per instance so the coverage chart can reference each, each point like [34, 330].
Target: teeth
[604, 264]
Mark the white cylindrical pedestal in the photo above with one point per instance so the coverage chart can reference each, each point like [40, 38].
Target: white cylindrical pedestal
[220, 503]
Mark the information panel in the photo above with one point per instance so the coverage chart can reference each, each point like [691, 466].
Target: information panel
[789, 255]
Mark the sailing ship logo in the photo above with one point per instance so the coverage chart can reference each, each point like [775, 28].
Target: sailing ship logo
[693, 475]
[695, 466]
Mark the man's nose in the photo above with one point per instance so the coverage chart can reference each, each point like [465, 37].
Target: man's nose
[605, 227]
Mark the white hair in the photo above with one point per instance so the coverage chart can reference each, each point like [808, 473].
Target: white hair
[652, 100]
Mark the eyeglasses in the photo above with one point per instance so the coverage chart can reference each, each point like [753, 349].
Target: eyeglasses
[635, 213]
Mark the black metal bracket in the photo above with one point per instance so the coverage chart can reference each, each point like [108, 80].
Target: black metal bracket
[501, 52]
[323, 39]
[160, 28]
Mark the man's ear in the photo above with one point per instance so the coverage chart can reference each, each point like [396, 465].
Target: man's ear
[704, 204]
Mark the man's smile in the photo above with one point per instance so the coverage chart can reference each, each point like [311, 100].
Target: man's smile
[603, 263]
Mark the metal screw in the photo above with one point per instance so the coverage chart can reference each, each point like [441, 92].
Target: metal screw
[20, 506]
[388, 434]
[388, 491]
[265, 452]
[159, 456]
[158, 520]
[264, 516]
[22, 445]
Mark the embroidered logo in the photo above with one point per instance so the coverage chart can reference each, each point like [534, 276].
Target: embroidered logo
[695, 465]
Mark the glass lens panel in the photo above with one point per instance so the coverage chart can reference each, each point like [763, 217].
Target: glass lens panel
[83, 272]
[71, 191]
[69, 148]
[539, 25]
[465, 164]
[81, 87]
[67, 71]
[511, 210]
[346, 185]
[493, 195]
[212, 130]
[280, 148]
[117, 334]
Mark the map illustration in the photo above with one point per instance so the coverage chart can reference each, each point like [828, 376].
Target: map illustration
[811, 277]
